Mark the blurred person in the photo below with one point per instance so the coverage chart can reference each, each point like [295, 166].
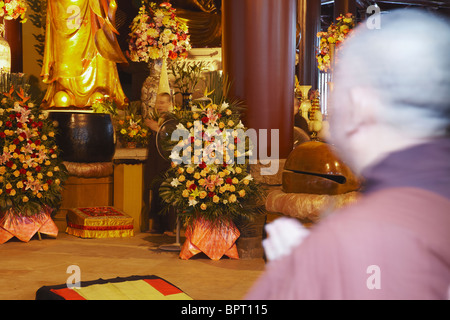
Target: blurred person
[154, 168]
[390, 120]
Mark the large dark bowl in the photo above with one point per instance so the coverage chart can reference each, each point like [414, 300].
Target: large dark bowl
[84, 137]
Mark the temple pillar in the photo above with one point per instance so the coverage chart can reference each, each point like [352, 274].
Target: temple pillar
[258, 51]
[343, 7]
[308, 17]
[13, 34]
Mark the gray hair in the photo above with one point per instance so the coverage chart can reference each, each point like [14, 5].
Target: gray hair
[407, 62]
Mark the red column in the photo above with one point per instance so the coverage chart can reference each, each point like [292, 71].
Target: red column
[343, 7]
[309, 22]
[13, 34]
[258, 51]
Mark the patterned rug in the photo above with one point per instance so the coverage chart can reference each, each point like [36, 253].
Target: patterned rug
[129, 288]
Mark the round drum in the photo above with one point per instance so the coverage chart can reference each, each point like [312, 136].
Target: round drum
[84, 137]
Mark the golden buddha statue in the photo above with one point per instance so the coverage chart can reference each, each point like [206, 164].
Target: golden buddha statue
[81, 52]
[204, 20]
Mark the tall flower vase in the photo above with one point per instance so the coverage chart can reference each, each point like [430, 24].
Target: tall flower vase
[150, 87]
[305, 104]
[5, 51]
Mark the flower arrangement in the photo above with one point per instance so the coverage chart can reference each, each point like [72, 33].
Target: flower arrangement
[131, 131]
[156, 33]
[13, 9]
[106, 104]
[31, 173]
[335, 34]
[209, 175]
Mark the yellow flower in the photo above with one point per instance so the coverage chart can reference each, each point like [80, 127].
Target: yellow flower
[197, 176]
[190, 170]
[228, 112]
[39, 195]
[181, 178]
[44, 137]
[19, 185]
[203, 194]
[180, 170]
[347, 20]
[25, 199]
[45, 186]
[50, 174]
[195, 115]
[185, 193]
[2, 170]
[12, 193]
[238, 170]
[16, 173]
[56, 168]
[216, 199]
[189, 183]
[8, 186]
[232, 198]
[123, 131]
[235, 181]
[242, 193]
[230, 123]
[57, 181]
[246, 182]
[47, 162]
[202, 182]
[189, 124]
[51, 134]
[203, 206]
[221, 125]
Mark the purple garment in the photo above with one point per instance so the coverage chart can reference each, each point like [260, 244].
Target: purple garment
[394, 243]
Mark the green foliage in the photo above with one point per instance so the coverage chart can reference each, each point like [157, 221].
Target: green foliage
[187, 75]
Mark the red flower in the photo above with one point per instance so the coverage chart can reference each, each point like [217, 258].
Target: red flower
[2, 135]
[16, 141]
[229, 181]
[205, 120]
[49, 181]
[172, 55]
[9, 164]
[38, 169]
[202, 165]
[8, 123]
[211, 194]
[192, 187]
[23, 171]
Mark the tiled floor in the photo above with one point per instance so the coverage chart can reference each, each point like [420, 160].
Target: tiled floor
[25, 267]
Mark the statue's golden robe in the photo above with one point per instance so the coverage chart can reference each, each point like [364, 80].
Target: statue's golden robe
[81, 51]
